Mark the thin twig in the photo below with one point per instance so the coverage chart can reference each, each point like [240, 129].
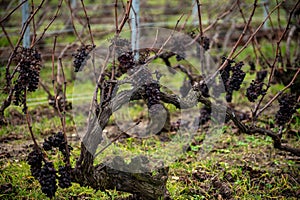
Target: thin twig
[94, 100]
[270, 19]
[33, 24]
[46, 89]
[165, 43]
[52, 59]
[155, 40]
[278, 16]
[250, 29]
[116, 16]
[255, 114]
[72, 21]
[63, 114]
[229, 34]
[254, 41]
[187, 18]
[242, 34]
[288, 45]
[11, 12]
[199, 18]
[256, 31]
[230, 56]
[272, 26]
[221, 16]
[49, 24]
[7, 37]
[88, 22]
[279, 93]
[9, 5]
[28, 120]
[126, 16]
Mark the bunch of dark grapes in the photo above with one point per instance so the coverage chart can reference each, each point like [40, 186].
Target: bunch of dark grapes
[126, 61]
[35, 159]
[235, 81]
[46, 173]
[81, 56]
[64, 180]
[205, 115]
[56, 141]
[29, 66]
[287, 107]
[256, 86]
[152, 93]
[237, 77]
[255, 90]
[232, 77]
[47, 179]
[19, 94]
[225, 72]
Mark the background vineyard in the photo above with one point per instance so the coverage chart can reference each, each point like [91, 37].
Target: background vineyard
[238, 167]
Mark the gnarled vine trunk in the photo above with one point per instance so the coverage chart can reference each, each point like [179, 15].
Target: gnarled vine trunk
[145, 185]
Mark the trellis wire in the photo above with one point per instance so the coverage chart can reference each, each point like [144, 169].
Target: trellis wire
[265, 8]
[135, 35]
[25, 16]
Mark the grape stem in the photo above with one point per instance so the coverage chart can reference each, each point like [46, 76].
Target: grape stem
[72, 21]
[125, 18]
[28, 119]
[88, 23]
[199, 18]
[34, 42]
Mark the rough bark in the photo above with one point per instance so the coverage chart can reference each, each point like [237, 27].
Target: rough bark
[144, 185]
[148, 184]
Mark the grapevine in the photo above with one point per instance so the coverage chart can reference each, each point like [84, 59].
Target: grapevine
[81, 56]
[44, 171]
[29, 65]
[287, 107]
